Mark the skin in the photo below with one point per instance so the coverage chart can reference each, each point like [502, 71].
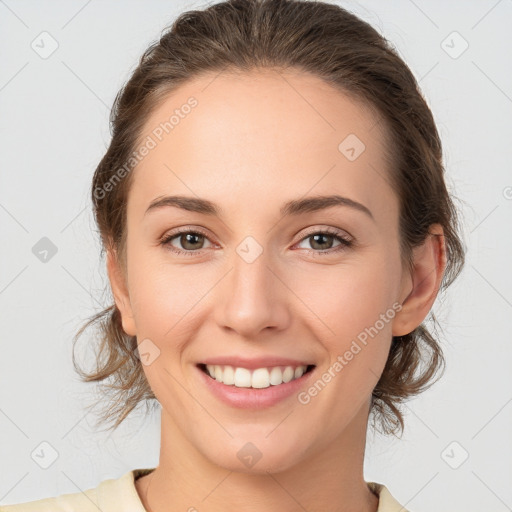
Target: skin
[254, 141]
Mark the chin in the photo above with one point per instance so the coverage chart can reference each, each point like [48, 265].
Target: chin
[257, 454]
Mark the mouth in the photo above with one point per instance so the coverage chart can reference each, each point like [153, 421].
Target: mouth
[258, 378]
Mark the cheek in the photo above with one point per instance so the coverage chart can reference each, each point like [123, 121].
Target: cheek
[353, 315]
[353, 320]
[165, 297]
[348, 297]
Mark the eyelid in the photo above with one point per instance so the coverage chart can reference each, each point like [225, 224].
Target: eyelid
[311, 230]
[318, 228]
[185, 229]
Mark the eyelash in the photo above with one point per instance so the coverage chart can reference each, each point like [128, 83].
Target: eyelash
[345, 242]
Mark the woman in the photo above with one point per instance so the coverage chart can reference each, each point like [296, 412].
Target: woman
[276, 227]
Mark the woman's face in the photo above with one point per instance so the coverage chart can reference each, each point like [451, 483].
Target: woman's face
[258, 279]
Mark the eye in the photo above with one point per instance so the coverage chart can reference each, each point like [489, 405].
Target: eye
[189, 239]
[321, 241]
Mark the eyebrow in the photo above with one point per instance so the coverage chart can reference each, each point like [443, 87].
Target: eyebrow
[293, 207]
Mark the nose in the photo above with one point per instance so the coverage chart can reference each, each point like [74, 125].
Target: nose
[252, 298]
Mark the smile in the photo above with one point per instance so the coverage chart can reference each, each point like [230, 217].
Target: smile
[257, 378]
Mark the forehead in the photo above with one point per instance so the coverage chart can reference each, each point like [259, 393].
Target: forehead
[232, 137]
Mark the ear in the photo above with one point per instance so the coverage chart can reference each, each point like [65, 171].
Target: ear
[120, 291]
[427, 274]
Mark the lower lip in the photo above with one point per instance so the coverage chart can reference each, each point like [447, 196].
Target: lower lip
[251, 398]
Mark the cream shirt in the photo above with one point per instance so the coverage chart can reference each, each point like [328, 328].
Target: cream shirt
[120, 495]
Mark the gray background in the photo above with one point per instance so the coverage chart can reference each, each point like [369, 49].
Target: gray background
[54, 129]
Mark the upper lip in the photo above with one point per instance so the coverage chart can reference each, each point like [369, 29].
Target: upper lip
[253, 363]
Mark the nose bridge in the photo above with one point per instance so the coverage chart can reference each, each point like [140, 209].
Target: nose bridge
[251, 299]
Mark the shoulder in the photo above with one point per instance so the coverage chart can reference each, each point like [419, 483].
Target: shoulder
[109, 496]
[387, 502]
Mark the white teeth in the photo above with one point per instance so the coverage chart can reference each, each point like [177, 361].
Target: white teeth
[258, 378]
[288, 374]
[242, 377]
[276, 376]
[228, 376]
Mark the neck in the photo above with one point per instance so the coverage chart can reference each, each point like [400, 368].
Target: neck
[331, 480]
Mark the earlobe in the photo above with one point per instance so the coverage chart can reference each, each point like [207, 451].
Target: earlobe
[120, 292]
[427, 274]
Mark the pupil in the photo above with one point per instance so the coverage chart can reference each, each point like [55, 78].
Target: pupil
[188, 236]
[320, 236]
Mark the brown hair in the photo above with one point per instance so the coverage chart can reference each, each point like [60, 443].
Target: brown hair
[348, 53]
